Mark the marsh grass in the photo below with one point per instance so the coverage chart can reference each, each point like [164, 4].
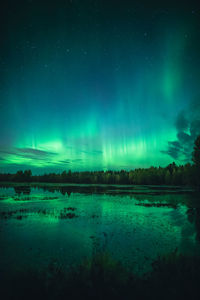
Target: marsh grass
[173, 276]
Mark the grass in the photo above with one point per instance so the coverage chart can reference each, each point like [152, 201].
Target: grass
[101, 277]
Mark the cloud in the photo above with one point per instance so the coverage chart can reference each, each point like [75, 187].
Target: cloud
[30, 154]
[181, 122]
[65, 161]
[68, 161]
[188, 128]
[27, 152]
[29, 157]
[34, 152]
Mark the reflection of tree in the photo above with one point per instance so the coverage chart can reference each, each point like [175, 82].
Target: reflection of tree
[68, 193]
[26, 190]
[62, 191]
[193, 215]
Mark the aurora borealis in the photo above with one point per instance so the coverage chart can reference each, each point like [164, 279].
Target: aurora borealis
[98, 85]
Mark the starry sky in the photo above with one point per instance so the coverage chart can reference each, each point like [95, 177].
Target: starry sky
[98, 85]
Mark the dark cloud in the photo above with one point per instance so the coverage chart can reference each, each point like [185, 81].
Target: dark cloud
[172, 151]
[68, 161]
[5, 151]
[195, 126]
[35, 152]
[188, 128]
[181, 122]
[26, 153]
[36, 155]
[65, 161]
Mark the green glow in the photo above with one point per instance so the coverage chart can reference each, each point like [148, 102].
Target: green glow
[172, 76]
[110, 106]
[119, 154]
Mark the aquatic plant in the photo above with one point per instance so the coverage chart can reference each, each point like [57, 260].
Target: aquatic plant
[173, 276]
[64, 215]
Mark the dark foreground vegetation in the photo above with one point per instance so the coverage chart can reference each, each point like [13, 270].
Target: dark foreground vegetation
[101, 277]
[188, 174]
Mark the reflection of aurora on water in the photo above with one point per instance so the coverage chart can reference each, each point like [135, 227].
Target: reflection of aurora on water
[135, 228]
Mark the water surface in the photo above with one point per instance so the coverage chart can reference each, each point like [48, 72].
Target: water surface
[66, 223]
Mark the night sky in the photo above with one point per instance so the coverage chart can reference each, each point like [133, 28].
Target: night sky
[98, 85]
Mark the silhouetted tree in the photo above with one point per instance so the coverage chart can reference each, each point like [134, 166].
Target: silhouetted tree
[64, 176]
[27, 175]
[196, 152]
[19, 176]
[196, 160]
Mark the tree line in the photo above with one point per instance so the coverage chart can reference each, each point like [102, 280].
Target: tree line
[188, 174]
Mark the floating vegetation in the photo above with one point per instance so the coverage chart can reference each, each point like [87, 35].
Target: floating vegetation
[42, 211]
[64, 215]
[94, 216]
[156, 204]
[10, 214]
[49, 198]
[70, 208]
[22, 198]
[20, 217]
[31, 198]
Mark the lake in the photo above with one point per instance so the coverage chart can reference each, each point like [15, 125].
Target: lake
[43, 223]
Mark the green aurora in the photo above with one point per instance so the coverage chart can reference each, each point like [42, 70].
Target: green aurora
[92, 85]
